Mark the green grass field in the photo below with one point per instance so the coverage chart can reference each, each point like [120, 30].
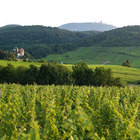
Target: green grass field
[128, 75]
[19, 63]
[100, 55]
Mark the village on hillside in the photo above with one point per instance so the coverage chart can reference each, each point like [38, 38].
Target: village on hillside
[19, 53]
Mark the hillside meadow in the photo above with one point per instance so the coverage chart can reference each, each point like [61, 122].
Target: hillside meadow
[127, 75]
[100, 55]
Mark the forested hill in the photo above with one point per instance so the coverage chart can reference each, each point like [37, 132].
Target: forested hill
[40, 40]
[126, 36]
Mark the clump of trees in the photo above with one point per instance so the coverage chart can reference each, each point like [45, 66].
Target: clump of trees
[83, 75]
[7, 55]
[127, 63]
[53, 73]
[47, 74]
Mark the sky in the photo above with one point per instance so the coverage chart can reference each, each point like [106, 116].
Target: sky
[57, 12]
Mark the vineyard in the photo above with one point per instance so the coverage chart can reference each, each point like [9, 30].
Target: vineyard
[69, 112]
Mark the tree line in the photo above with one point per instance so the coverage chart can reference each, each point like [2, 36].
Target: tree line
[7, 55]
[52, 73]
[40, 41]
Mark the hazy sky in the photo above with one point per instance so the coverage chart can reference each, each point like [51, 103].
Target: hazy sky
[58, 12]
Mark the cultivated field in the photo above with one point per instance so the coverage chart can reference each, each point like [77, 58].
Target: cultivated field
[67, 112]
[100, 55]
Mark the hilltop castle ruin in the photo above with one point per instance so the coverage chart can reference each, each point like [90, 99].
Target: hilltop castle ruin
[18, 52]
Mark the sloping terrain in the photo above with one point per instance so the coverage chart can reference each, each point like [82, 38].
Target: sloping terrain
[109, 47]
[100, 55]
[126, 36]
[40, 40]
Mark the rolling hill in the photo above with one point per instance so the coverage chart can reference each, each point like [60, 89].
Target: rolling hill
[88, 26]
[109, 47]
[126, 36]
[100, 55]
[40, 40]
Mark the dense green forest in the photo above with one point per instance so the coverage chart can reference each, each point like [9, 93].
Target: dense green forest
[40, 41]
[126, 36]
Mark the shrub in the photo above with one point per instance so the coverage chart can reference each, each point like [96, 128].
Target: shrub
[51, 73]
[102, 76]
[1, 75]
[20, 75]
[82, 74]
[117, 82]
[127, 63]
[32, 74]
[42, 61]
[8, 74]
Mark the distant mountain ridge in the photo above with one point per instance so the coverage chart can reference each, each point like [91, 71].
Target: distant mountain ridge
[87, 26]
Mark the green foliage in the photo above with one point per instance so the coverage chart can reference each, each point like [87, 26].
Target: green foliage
[127, 63]
[127, 75]
[21, 76]
[82, 74]
[47, 74]
[69, 112]
[42, 61]
[54, 74]
[40, 41]
[99, 55]
[103, 77]
[8, 74]
[31, 74]
[2, 54]
[7, 55]
[126, 36]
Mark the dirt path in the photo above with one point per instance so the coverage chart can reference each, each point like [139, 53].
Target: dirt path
[105, 62]
[75, 52]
